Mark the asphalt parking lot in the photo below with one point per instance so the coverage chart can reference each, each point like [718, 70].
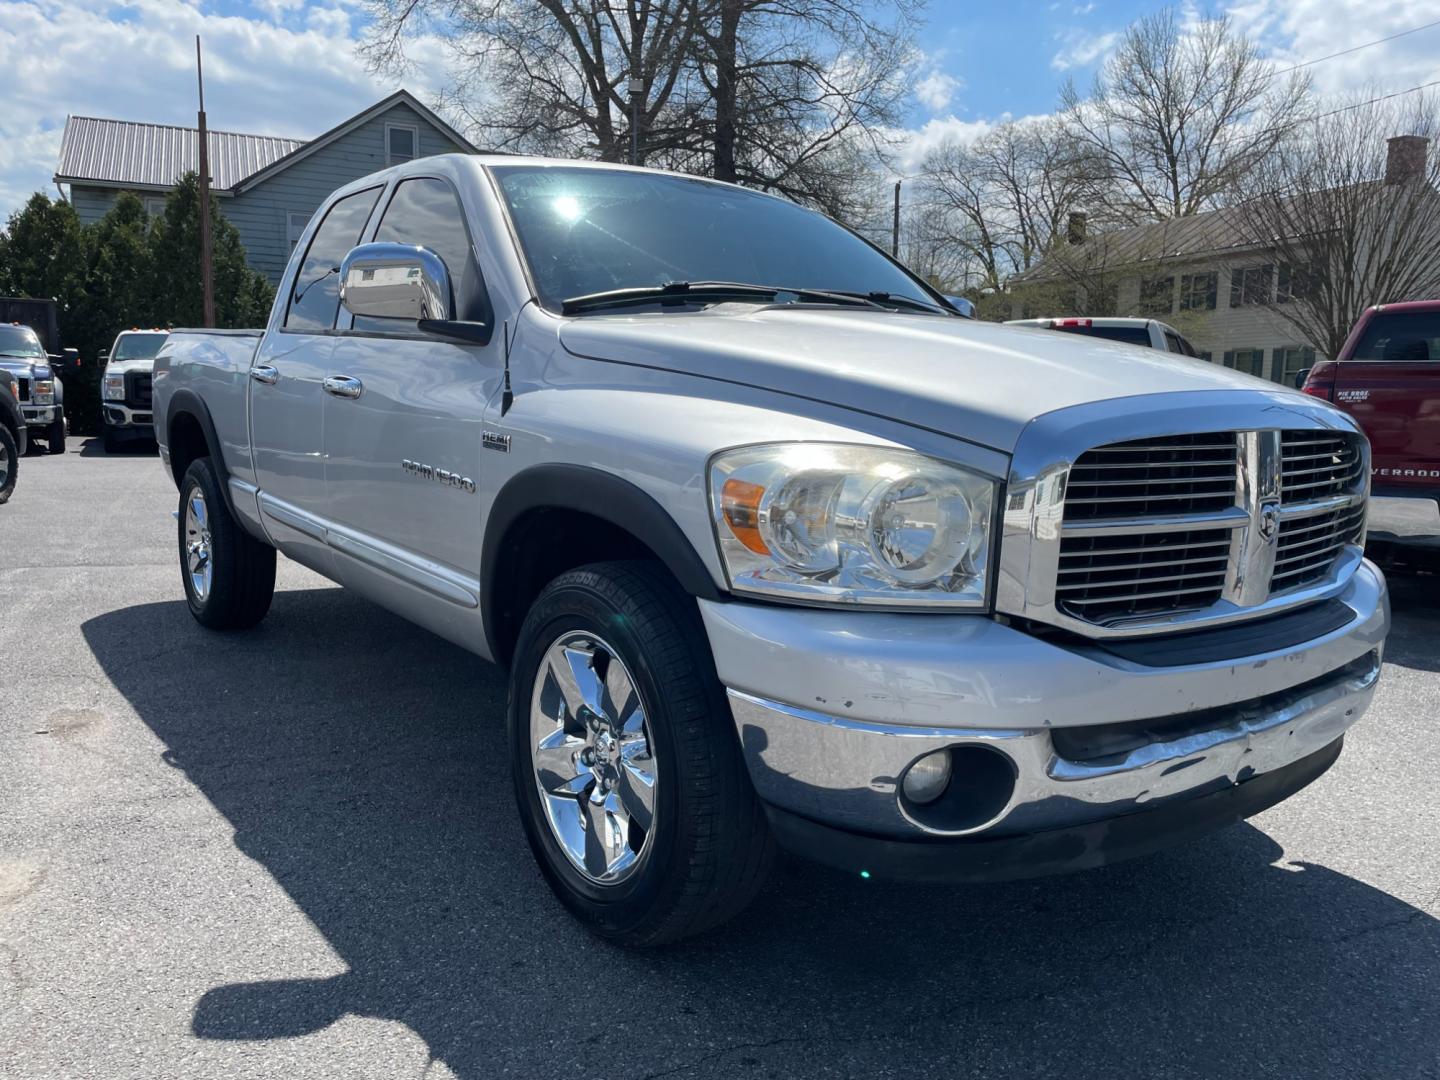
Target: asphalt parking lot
[293, 853]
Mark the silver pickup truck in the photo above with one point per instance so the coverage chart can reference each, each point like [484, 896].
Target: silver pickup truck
[775, 546]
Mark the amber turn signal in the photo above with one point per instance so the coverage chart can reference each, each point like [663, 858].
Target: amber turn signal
[740, 503]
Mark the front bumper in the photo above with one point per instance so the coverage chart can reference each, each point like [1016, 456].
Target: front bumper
[125, 419]
[833, 707]
[40, 415]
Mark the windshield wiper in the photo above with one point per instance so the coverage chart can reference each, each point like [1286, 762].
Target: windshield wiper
[680, 291]
[898, 300]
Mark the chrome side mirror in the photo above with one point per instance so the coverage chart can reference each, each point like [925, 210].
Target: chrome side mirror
[963, 306]
[396, 281]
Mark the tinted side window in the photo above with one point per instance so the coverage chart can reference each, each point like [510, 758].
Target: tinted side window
[316, 293]
[1401, 337]
[427, 212]
[1130, 335]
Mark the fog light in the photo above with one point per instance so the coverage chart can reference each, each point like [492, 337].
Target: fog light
[926, 779]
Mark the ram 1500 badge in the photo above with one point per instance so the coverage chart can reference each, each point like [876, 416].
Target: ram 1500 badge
[783, 550]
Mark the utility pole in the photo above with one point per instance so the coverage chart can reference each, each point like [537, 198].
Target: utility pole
[207, 272]
[637, 87]
[895, 229]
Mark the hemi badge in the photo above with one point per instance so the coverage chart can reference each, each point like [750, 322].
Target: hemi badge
[493, 440]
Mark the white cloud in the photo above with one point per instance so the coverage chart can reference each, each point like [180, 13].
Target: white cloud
[275, 73]
[1081, 49]
[1083, 9]
[1296, 31]
[936, 89]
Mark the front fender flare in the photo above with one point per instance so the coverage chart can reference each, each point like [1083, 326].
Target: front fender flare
[602, 495]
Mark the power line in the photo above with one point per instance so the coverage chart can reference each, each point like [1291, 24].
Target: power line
[1357, 48]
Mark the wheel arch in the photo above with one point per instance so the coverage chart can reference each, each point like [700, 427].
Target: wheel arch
[530, 540]
[190, 434]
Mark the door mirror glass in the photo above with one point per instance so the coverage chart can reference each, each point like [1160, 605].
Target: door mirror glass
[396, 281]
[1300, 377]
[963, 306]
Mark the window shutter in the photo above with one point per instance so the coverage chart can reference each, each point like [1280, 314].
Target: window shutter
[1230, 358]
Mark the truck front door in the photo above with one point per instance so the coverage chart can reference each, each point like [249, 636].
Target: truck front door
[403, 427]
[1390, 383]
[286, 395]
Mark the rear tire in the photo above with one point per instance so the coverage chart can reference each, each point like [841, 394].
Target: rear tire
[9, 463]
[229, 576]
[55, 439]
[700, 850]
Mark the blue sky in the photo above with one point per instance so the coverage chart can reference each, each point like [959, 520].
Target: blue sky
[288, 67]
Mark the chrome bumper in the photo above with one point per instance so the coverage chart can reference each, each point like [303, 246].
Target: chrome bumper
[833, 707]
[120, 415]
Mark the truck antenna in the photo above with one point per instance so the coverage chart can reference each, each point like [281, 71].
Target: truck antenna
[507, 398]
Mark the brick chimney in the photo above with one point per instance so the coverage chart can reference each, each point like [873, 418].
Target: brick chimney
[1405, 158]
[1075, 228]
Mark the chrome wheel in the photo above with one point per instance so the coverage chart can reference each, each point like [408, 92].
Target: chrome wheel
[197, 545]
[593, 759]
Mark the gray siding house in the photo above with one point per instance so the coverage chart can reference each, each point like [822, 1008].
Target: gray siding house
[266, 187]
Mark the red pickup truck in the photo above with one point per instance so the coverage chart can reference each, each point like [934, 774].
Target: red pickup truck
[1387, 376]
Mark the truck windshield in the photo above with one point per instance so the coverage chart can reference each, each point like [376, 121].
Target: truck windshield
[589, 231]
[20, 341]
[1401, 337]
[138, 346]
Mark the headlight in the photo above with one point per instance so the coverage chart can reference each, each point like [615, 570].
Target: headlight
[114, 388]
[837, 524]
[42, 392]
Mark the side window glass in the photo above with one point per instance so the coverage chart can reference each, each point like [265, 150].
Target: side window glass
[426, 212]
[315, 293]
[1172, 343]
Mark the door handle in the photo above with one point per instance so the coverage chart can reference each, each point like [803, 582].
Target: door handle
[266, 374]
[343, 386]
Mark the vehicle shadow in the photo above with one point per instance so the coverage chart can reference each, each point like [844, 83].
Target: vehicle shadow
[361, 762]
[1415, 609]
[95, 447]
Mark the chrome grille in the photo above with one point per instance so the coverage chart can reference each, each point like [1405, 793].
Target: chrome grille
[1317, 465]
[1108, 577]
[1308, 547]
[1164, 526]
[138, 389]
[1180, 474]
[1138, 573]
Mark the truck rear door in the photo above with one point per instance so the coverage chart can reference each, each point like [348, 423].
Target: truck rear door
[1390, 383]
[287, 401]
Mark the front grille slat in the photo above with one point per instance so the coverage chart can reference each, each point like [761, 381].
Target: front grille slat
[1148, 559]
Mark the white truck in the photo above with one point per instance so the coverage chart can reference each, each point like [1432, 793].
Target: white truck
[127, 412]
[775, 546]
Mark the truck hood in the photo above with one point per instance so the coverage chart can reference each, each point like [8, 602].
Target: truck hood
[982, 382]
[26, 369]
[139, 363]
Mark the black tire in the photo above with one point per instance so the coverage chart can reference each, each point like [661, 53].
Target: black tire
[55, 437]
[110, 439]
[711, 847]
[10, 457]
[242, 581]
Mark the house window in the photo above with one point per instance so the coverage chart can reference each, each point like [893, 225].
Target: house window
[1250, 361]
[295, 227]
[1292, 283]
[1197, 291]
[1207, 356]
[155, 205]
[1290, 362]
[1157, 296]
[1251, 285]
[402, 143]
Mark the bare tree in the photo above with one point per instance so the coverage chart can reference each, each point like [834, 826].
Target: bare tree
[1007, 197]
[549, 76]
[1179, 116]
[1352, 214]
[792, 96]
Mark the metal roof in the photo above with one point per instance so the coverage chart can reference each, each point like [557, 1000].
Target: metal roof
[130, 154]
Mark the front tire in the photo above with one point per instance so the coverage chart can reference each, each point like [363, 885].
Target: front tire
[9, 464]
[110, 440]
[55, 437]
[229, 576]
[629, 778]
